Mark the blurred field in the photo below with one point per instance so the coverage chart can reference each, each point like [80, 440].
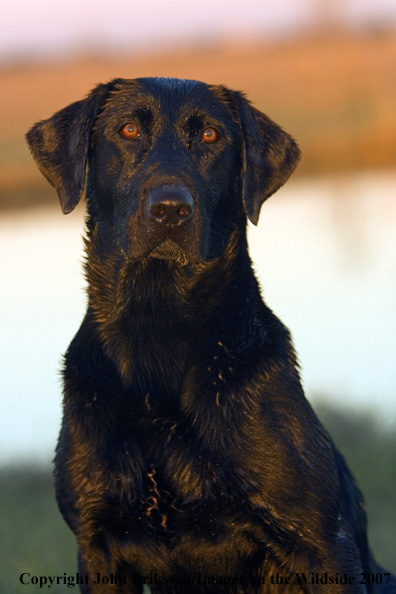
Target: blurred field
[336, 93]
[35, 539]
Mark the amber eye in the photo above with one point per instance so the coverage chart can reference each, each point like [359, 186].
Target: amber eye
[209, 135]
[130, 131]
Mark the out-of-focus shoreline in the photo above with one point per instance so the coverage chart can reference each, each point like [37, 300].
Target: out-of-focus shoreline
[336, 93]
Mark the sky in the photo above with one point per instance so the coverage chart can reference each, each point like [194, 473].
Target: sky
[49, 28]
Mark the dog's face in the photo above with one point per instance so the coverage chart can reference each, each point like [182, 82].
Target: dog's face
[163, 167]
[173, 165]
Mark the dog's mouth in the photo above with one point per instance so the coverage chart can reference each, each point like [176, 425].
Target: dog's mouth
[184, 245]
[170, 250]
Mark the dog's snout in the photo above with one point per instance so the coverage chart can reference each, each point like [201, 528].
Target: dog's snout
[170, 205]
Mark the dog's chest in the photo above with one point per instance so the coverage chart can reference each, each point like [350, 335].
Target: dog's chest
[176, 518]
[167, 502]
[166, 462]
[168, 459]
[165, 477]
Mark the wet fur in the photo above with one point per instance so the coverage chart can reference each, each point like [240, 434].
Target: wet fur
[187, 446]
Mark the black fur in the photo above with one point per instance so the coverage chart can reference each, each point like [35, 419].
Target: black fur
[188, 452]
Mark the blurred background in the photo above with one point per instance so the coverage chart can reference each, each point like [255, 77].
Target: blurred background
[324, 250]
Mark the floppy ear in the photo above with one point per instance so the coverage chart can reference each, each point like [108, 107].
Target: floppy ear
[60, 146]
[270, 156]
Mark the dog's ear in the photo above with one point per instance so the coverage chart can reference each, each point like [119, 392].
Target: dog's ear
[60, 146]
[270, 156]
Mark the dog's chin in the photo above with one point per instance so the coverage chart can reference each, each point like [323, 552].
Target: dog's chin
[170, 250]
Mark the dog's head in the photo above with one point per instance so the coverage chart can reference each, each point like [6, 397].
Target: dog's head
[170, 165]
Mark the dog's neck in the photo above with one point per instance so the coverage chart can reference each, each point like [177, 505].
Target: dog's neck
[143, 309]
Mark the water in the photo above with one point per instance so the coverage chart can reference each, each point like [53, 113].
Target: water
[325, 254]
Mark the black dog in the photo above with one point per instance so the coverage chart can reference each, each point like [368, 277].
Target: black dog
[189, 457]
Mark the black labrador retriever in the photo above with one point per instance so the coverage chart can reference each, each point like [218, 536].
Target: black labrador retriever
[189, 458]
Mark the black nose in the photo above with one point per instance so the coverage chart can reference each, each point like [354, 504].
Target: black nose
[170, 205]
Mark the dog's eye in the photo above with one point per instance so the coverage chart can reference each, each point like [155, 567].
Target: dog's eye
[209, 135]
[130, 131]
